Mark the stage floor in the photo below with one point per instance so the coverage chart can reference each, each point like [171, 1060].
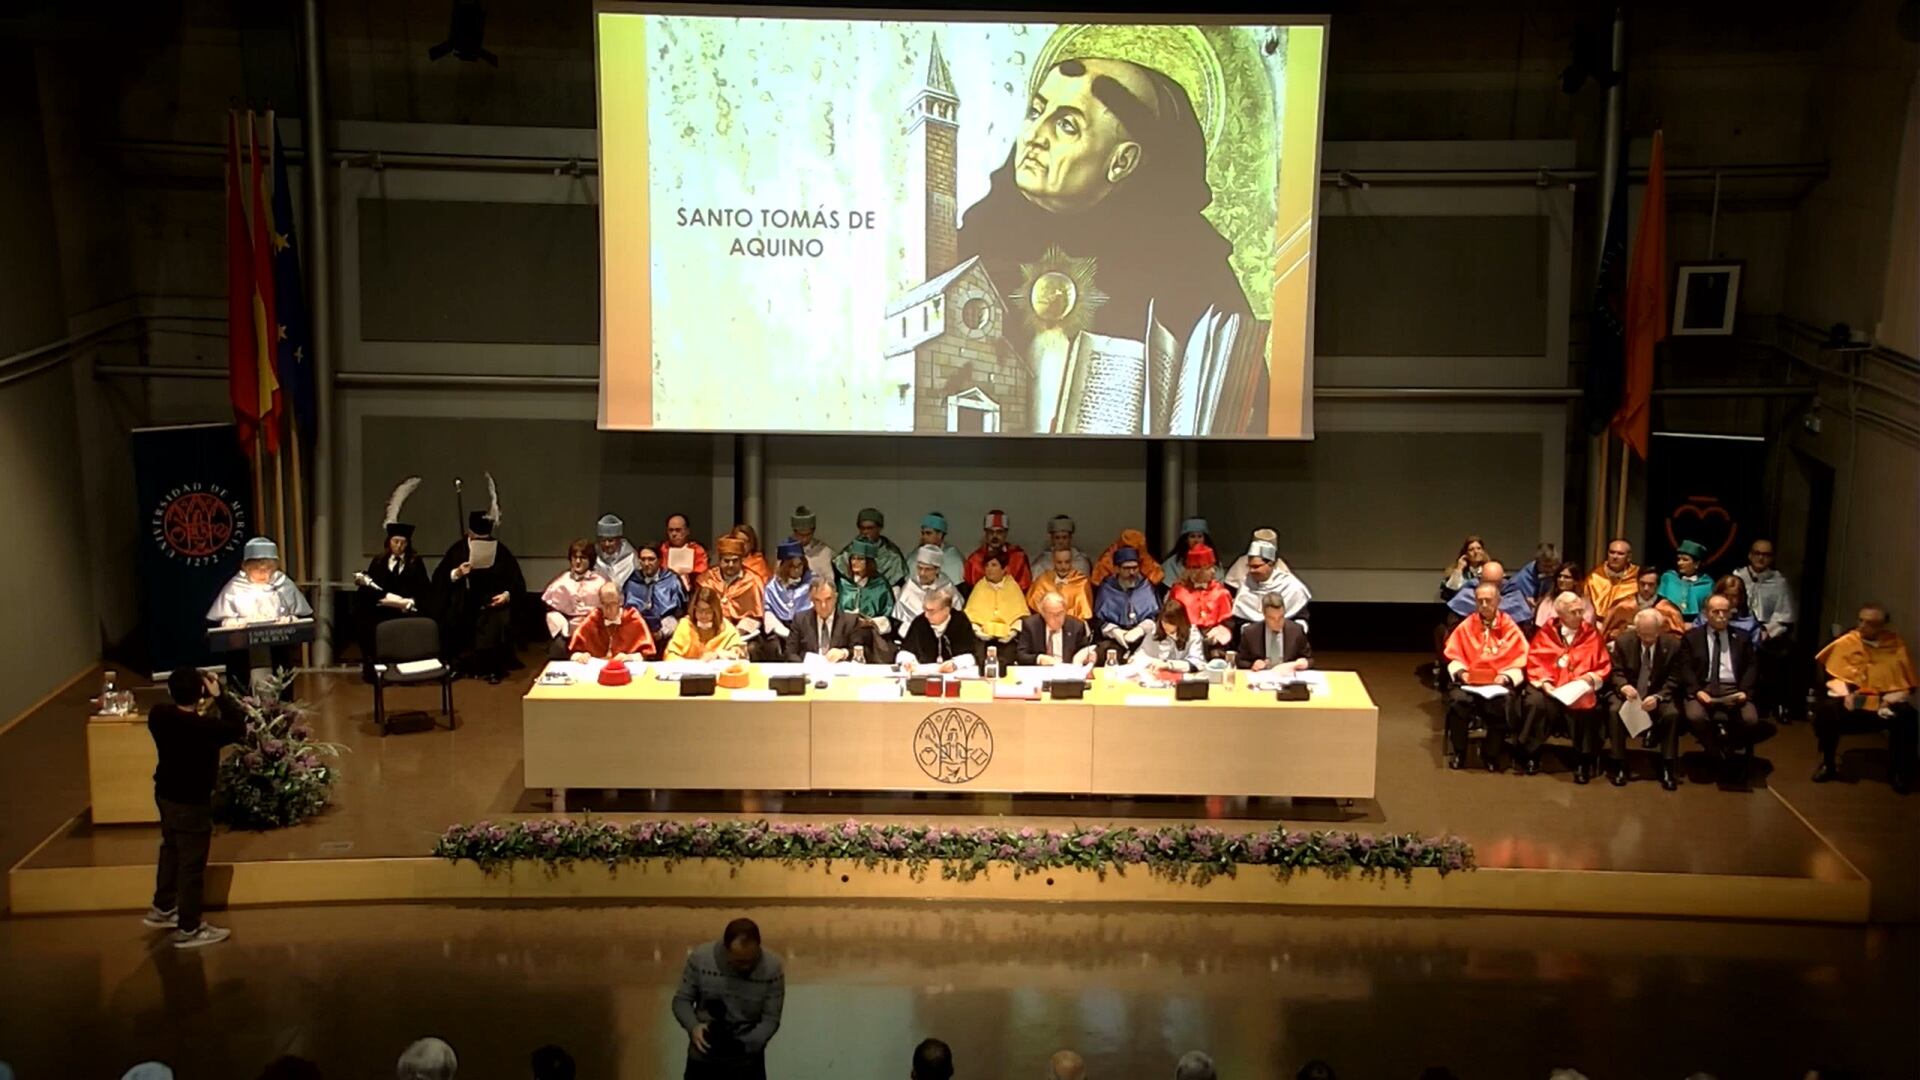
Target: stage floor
[399, 792]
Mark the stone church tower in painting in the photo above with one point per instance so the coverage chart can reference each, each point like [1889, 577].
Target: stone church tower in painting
[965, 378]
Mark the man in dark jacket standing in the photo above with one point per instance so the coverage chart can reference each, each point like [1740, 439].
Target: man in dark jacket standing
[188, 732]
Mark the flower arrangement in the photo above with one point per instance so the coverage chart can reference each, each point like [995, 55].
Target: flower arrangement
[1192, 853]
[278, 775]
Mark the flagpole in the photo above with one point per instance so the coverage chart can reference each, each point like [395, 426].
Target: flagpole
[259, 487]
[1620, 496]
[1597, 527]
[299, 534]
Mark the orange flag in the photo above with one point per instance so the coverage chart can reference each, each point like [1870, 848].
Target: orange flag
[1646, 306]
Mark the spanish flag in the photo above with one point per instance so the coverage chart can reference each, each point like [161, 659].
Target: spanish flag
[266, 326]
[243, 363]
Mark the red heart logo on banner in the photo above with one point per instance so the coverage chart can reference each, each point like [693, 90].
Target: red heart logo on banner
[1702, 508]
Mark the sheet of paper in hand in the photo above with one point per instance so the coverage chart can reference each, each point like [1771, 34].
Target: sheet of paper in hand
[1568, 693]
[1634, 716]
[480, 553]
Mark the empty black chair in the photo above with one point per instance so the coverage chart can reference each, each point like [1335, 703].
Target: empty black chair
[408, 641]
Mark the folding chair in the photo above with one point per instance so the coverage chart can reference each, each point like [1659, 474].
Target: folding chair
[408, 640]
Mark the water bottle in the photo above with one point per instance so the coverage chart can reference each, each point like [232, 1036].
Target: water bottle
[106, 692]
[1233, 662]
[992, 670]
[859, 654]
[1113, 658]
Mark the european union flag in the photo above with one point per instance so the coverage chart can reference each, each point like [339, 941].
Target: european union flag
[290, 302]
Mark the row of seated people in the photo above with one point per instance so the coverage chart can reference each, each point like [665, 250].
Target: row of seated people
[939, 637]
[1570, 675]
[1117, 600]
[1616, 590]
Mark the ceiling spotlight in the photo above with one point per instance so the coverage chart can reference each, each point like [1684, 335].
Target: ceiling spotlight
[466, 29]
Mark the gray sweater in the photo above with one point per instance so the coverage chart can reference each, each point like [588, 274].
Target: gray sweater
[753, 1001]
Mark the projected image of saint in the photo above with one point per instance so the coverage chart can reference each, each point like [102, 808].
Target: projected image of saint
[1109, 299]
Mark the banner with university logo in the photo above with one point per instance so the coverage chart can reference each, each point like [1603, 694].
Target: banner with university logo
[196, 512]
[1708, 489]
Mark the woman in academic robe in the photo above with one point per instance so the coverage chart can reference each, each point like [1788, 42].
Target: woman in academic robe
[1174, 644]
[1194, 532]
[570, 597]
[394, 584]
[862, 591]
[705, 634]
[1687, 585]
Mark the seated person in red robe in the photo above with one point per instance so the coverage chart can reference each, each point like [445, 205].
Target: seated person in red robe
[1209, 605]
[1570, 649]
[612, 631]
[1485, 650]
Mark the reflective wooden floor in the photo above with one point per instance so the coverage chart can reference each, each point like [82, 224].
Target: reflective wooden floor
[1491, 996]
[1380, 996]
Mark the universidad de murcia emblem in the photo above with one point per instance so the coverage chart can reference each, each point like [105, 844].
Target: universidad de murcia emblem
[198, 524]
[953, 746]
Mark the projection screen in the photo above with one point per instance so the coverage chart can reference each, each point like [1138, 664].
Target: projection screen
[850, 222]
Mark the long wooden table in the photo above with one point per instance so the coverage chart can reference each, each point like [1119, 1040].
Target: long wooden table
[1120, 739]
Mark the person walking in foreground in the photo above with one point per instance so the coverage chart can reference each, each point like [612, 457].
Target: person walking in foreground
[188, 733]
[730, 997]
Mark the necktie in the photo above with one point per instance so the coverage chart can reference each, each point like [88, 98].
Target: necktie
[1053, 644]
[1646, 670]
[1273, 646]
[1713, 661]
[826, 635]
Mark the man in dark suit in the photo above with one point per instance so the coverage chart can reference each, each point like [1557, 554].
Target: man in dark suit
[1719, 677]
[937, 641]
[1648, 668]
[826, 630]
[1275, 642]
[1051, 636]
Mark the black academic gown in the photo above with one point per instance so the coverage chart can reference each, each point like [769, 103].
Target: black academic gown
[470, 628]
[928, 648]
[411, 582]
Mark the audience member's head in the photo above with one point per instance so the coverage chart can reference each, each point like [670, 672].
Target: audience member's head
[1566, 1074]
[148, 1070]
[289, 1067]
[552, 1063]
[1066, 1065]
[932, 1060]
[427, 1059]
[1193, 1065]
[1315, 1070]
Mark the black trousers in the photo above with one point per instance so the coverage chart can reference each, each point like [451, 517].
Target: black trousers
[1723, 727]
[1832, 719]
[1666, 727]
[749, 1067]
[1542, 714]
[1498, 714]
[186, 831]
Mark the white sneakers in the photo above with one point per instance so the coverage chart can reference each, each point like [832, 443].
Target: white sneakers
[201, 936]
[155, 919]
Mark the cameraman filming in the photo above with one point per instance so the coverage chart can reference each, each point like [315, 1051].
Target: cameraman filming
[730, 996]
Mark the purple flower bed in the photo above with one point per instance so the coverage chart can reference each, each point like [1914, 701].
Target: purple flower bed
[1194, 853]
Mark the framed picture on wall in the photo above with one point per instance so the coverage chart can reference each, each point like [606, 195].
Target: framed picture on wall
[1705, 296]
